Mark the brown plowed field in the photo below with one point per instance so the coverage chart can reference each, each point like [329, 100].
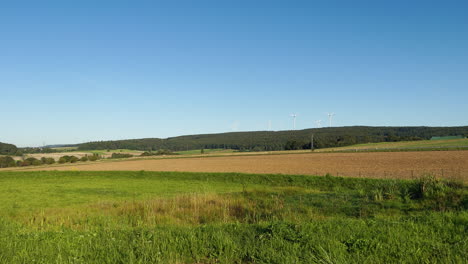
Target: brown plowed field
[449, 164]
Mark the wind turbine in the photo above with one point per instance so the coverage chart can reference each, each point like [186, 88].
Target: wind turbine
[330, 117]
[318, 123]
[294, 120]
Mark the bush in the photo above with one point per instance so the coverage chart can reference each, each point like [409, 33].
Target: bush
[62, 160]
[84, 159]
[94, 157]
[120, 156]
[158, 153]
[32, 161]
[49, 161]
[73, 159]
[6, 162]
[36, 162]
[66, 158]
[25, 163]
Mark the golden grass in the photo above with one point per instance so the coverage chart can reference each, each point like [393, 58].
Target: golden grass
[187, 209]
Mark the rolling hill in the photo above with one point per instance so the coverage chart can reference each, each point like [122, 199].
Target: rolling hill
[280, 140]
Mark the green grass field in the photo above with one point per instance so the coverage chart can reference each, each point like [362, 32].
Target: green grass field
[161, 217]
[104, 152]
[420, 144]
[65, 148]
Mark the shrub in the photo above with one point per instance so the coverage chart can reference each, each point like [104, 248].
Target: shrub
[32, 161]
[49, 161]
[6, 162]
[120, 156]
[158, 153]
[94, 157]
[36, 162]
[84, 159]
[66, 158]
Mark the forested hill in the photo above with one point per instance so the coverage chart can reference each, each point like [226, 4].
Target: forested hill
[279, 140]
[7, 149]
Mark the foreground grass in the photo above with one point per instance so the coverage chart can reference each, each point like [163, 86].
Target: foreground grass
[154, 217]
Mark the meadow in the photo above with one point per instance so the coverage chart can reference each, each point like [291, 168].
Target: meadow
[447, 144]
[181, 217]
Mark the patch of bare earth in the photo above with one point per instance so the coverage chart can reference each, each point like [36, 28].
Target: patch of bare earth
[448, 164]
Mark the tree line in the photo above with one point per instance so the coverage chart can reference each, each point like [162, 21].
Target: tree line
[8, 161]
[280, 140]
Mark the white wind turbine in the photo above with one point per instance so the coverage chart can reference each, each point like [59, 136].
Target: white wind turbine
[294, 120]
[330, 117]
[318, 123]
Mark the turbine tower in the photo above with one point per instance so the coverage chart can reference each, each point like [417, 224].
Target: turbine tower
[330, 117]
[294, 120]
[318, 123]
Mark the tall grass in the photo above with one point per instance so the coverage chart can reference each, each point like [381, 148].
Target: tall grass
[152, 217]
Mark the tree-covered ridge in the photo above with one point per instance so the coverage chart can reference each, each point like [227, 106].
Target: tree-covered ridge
[280, 140]
[7, 149]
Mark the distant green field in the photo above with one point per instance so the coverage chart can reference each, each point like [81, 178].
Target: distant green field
[103, 152]
[65, 148]
[422, 144]
[172, 217]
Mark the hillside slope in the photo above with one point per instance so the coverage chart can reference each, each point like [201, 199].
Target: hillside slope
[279, 140]
[7, 149]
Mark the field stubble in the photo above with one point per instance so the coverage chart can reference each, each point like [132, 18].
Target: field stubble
[446, 164]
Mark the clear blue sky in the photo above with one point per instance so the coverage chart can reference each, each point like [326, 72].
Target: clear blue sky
[74, 71]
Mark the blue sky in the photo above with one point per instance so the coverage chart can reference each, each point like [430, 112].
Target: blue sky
[75, 71]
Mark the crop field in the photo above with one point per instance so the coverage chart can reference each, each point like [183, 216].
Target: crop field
[447, 164]
[179, 217]
[80, 154]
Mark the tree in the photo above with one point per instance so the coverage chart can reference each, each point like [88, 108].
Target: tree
[7, 149]
[94, 157]
[6, 162]
[49, 161]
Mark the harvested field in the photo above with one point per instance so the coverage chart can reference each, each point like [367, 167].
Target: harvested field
[79, 154]
[448, 164]
[56, 156]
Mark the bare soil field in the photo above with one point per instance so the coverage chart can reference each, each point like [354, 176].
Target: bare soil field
[447, 164]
